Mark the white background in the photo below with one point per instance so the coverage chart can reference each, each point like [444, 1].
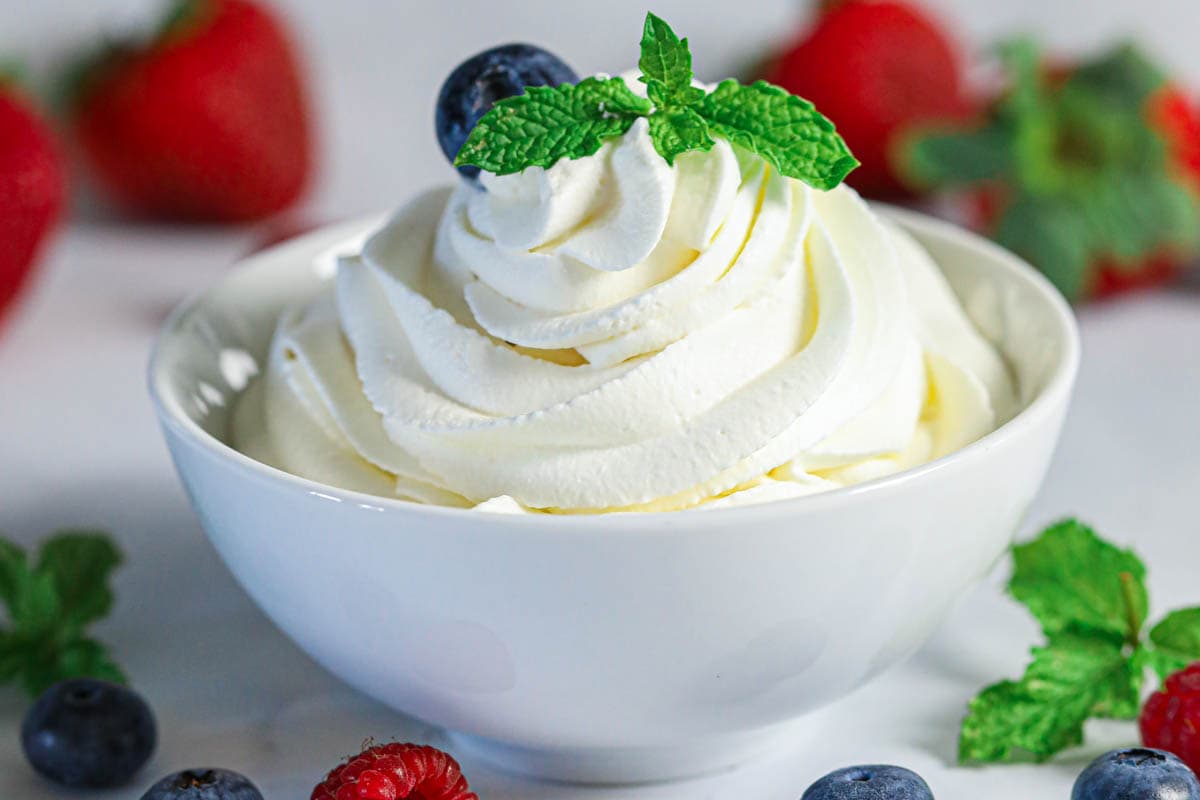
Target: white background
[78, 444]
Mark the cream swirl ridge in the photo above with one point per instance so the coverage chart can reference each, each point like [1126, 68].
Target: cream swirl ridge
[614, 333]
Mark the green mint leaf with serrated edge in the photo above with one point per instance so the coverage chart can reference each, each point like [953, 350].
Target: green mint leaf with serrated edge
[1176, 641]
[678, 132]
[784, 130]
[546, 124]
[666, 65]
[80, 564]
[1071, 579]
[1069, 680]
[49, 606]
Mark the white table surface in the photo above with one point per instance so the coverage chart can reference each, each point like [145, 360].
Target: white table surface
[79, 445]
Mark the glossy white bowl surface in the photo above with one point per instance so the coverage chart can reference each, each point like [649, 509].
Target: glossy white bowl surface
[609, 648]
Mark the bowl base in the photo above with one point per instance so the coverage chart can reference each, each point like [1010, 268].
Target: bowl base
[632, 765]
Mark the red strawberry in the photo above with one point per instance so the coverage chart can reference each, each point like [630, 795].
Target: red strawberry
[209, 121]
[1178, 120]
[395, 772]
[875, 67]
[32, 188]
[1170, 720]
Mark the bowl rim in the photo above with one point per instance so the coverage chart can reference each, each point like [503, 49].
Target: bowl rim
[1055, 393]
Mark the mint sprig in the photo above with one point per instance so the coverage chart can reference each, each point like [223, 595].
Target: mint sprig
[547, 124]
[51, 602]
[1090, 599]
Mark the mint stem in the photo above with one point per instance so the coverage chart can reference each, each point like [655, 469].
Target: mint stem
[1131, 616]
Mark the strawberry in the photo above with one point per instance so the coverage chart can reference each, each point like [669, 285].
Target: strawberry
[876, 68]
[207, 121]
[32, 189]
[1091, 171]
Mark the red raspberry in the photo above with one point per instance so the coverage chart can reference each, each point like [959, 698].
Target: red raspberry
[394, 772]
[1171, 717]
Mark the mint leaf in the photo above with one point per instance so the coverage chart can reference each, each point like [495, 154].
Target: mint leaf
[546, 124]
[1073, 581]
[80, 564]
[12, 662]
[1072, 678]
[36, 607]
[784, 130]
[12, 566]
[1176, 641]
[958, 157]
[1131, 213]
[666, 65]
[80, 658]
[1123, 75]
[50, 606]
[1051, 235]
[677, 132]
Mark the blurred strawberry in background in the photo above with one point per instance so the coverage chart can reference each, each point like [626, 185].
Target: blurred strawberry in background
[875, 67]
[207, 121]
[1090, 170]
[32, 190]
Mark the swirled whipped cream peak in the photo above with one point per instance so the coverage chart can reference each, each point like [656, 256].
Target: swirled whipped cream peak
[614, 333]
[634, 306]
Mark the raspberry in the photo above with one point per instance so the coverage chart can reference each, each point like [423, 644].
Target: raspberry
[395, 772]
[1171, 717]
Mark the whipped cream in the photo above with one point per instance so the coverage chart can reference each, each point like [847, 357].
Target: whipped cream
[617, 334]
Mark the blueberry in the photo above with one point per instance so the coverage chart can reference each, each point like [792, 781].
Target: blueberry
[476, 84]
[1137, 773]
[88, 733]
[870, 782]
[203, 784]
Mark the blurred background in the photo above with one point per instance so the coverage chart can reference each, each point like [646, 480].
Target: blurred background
[376, 65]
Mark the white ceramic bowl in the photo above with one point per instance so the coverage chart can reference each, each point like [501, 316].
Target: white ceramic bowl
[609, 648]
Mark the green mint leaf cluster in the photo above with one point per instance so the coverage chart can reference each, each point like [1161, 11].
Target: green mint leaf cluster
[1088, 175]
[50, 603]
[1090, 599]
[546, 124]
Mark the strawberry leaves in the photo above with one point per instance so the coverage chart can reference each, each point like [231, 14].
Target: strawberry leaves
[1090, 599]
[51, 602]
[544, 125]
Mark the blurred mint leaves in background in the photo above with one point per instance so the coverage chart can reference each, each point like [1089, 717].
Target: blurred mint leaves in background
[1079, 164]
